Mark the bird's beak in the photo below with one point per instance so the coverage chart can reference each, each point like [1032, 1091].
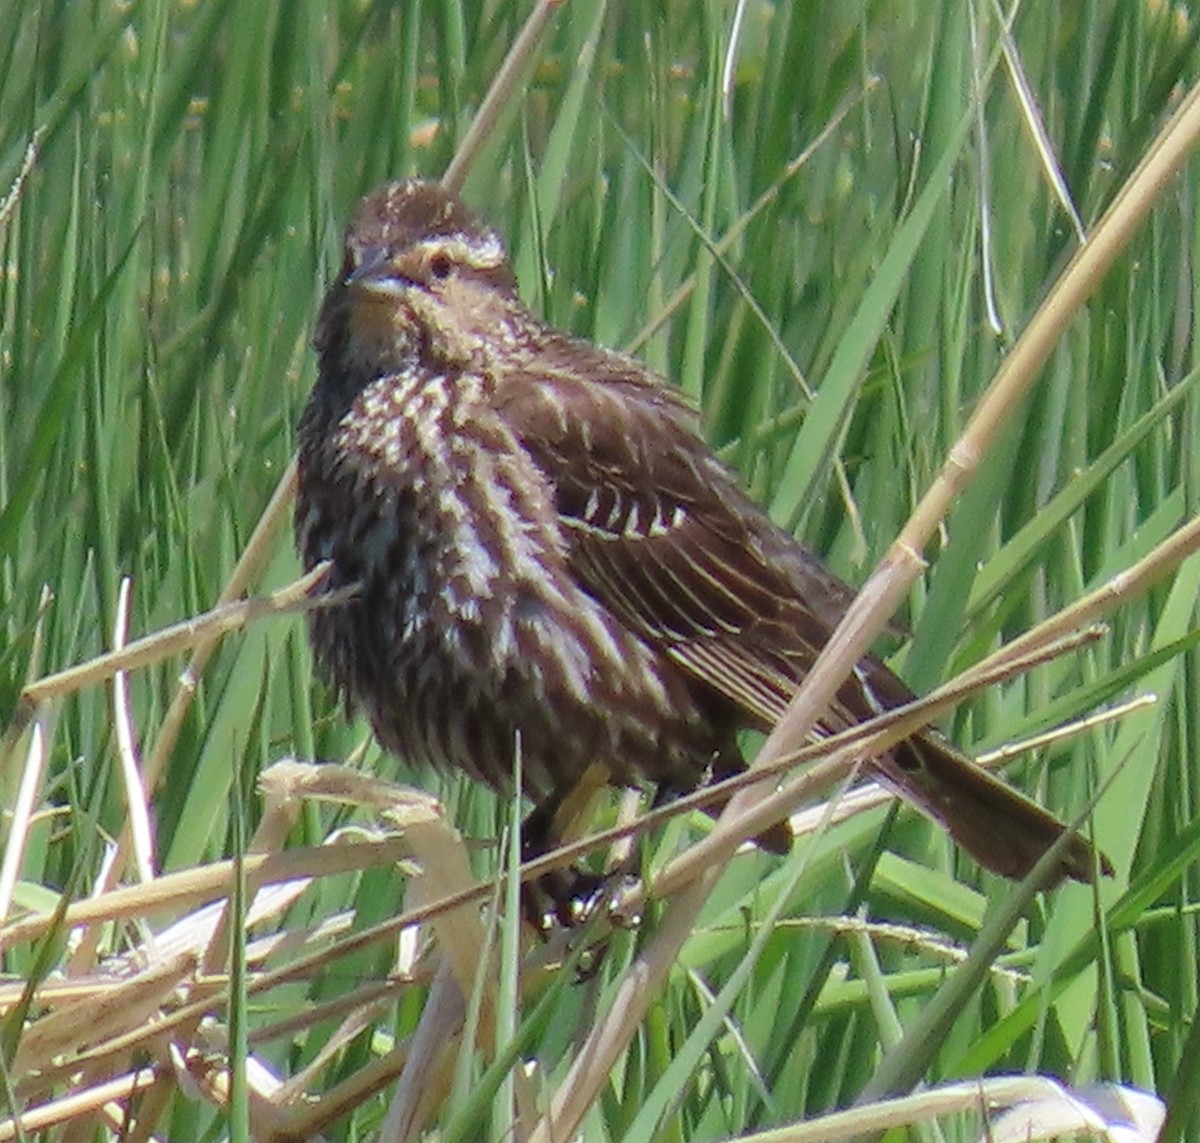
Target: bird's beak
[374, 273]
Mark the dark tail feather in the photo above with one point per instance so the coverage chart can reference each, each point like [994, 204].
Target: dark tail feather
[1000, 828]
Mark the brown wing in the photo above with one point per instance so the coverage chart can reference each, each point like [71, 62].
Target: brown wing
[659, 532]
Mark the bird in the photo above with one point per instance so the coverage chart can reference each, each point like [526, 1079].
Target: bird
[548, 558]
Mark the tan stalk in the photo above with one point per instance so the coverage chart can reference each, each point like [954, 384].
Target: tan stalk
[191, 887]
[90, 1102]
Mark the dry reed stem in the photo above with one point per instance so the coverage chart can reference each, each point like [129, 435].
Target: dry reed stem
[82, 1104]
[852, 740]
[84, 1041]
[983, 1096]
[194, 634]
[191, 887]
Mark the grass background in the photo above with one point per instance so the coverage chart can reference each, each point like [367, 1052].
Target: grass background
[162, 264]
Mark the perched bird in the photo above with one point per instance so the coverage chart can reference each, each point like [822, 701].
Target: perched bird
[547, 552]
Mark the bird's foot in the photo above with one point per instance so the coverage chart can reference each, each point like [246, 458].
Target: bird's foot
[571, 897]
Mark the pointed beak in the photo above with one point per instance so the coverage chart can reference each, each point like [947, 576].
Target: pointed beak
[375, 273]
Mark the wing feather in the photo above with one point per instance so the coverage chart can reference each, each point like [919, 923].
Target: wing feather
[659, 532]
[757, 691]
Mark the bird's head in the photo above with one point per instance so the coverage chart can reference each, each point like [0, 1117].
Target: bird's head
[421, 275]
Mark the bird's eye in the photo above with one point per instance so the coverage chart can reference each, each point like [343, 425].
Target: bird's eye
[348, 266]
[439, 266]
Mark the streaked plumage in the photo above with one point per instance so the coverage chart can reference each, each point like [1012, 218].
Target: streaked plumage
[546, 547]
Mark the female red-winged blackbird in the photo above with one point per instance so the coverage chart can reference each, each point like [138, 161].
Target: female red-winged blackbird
[547, 552]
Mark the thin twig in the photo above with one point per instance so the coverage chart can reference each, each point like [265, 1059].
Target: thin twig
[197, 633]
